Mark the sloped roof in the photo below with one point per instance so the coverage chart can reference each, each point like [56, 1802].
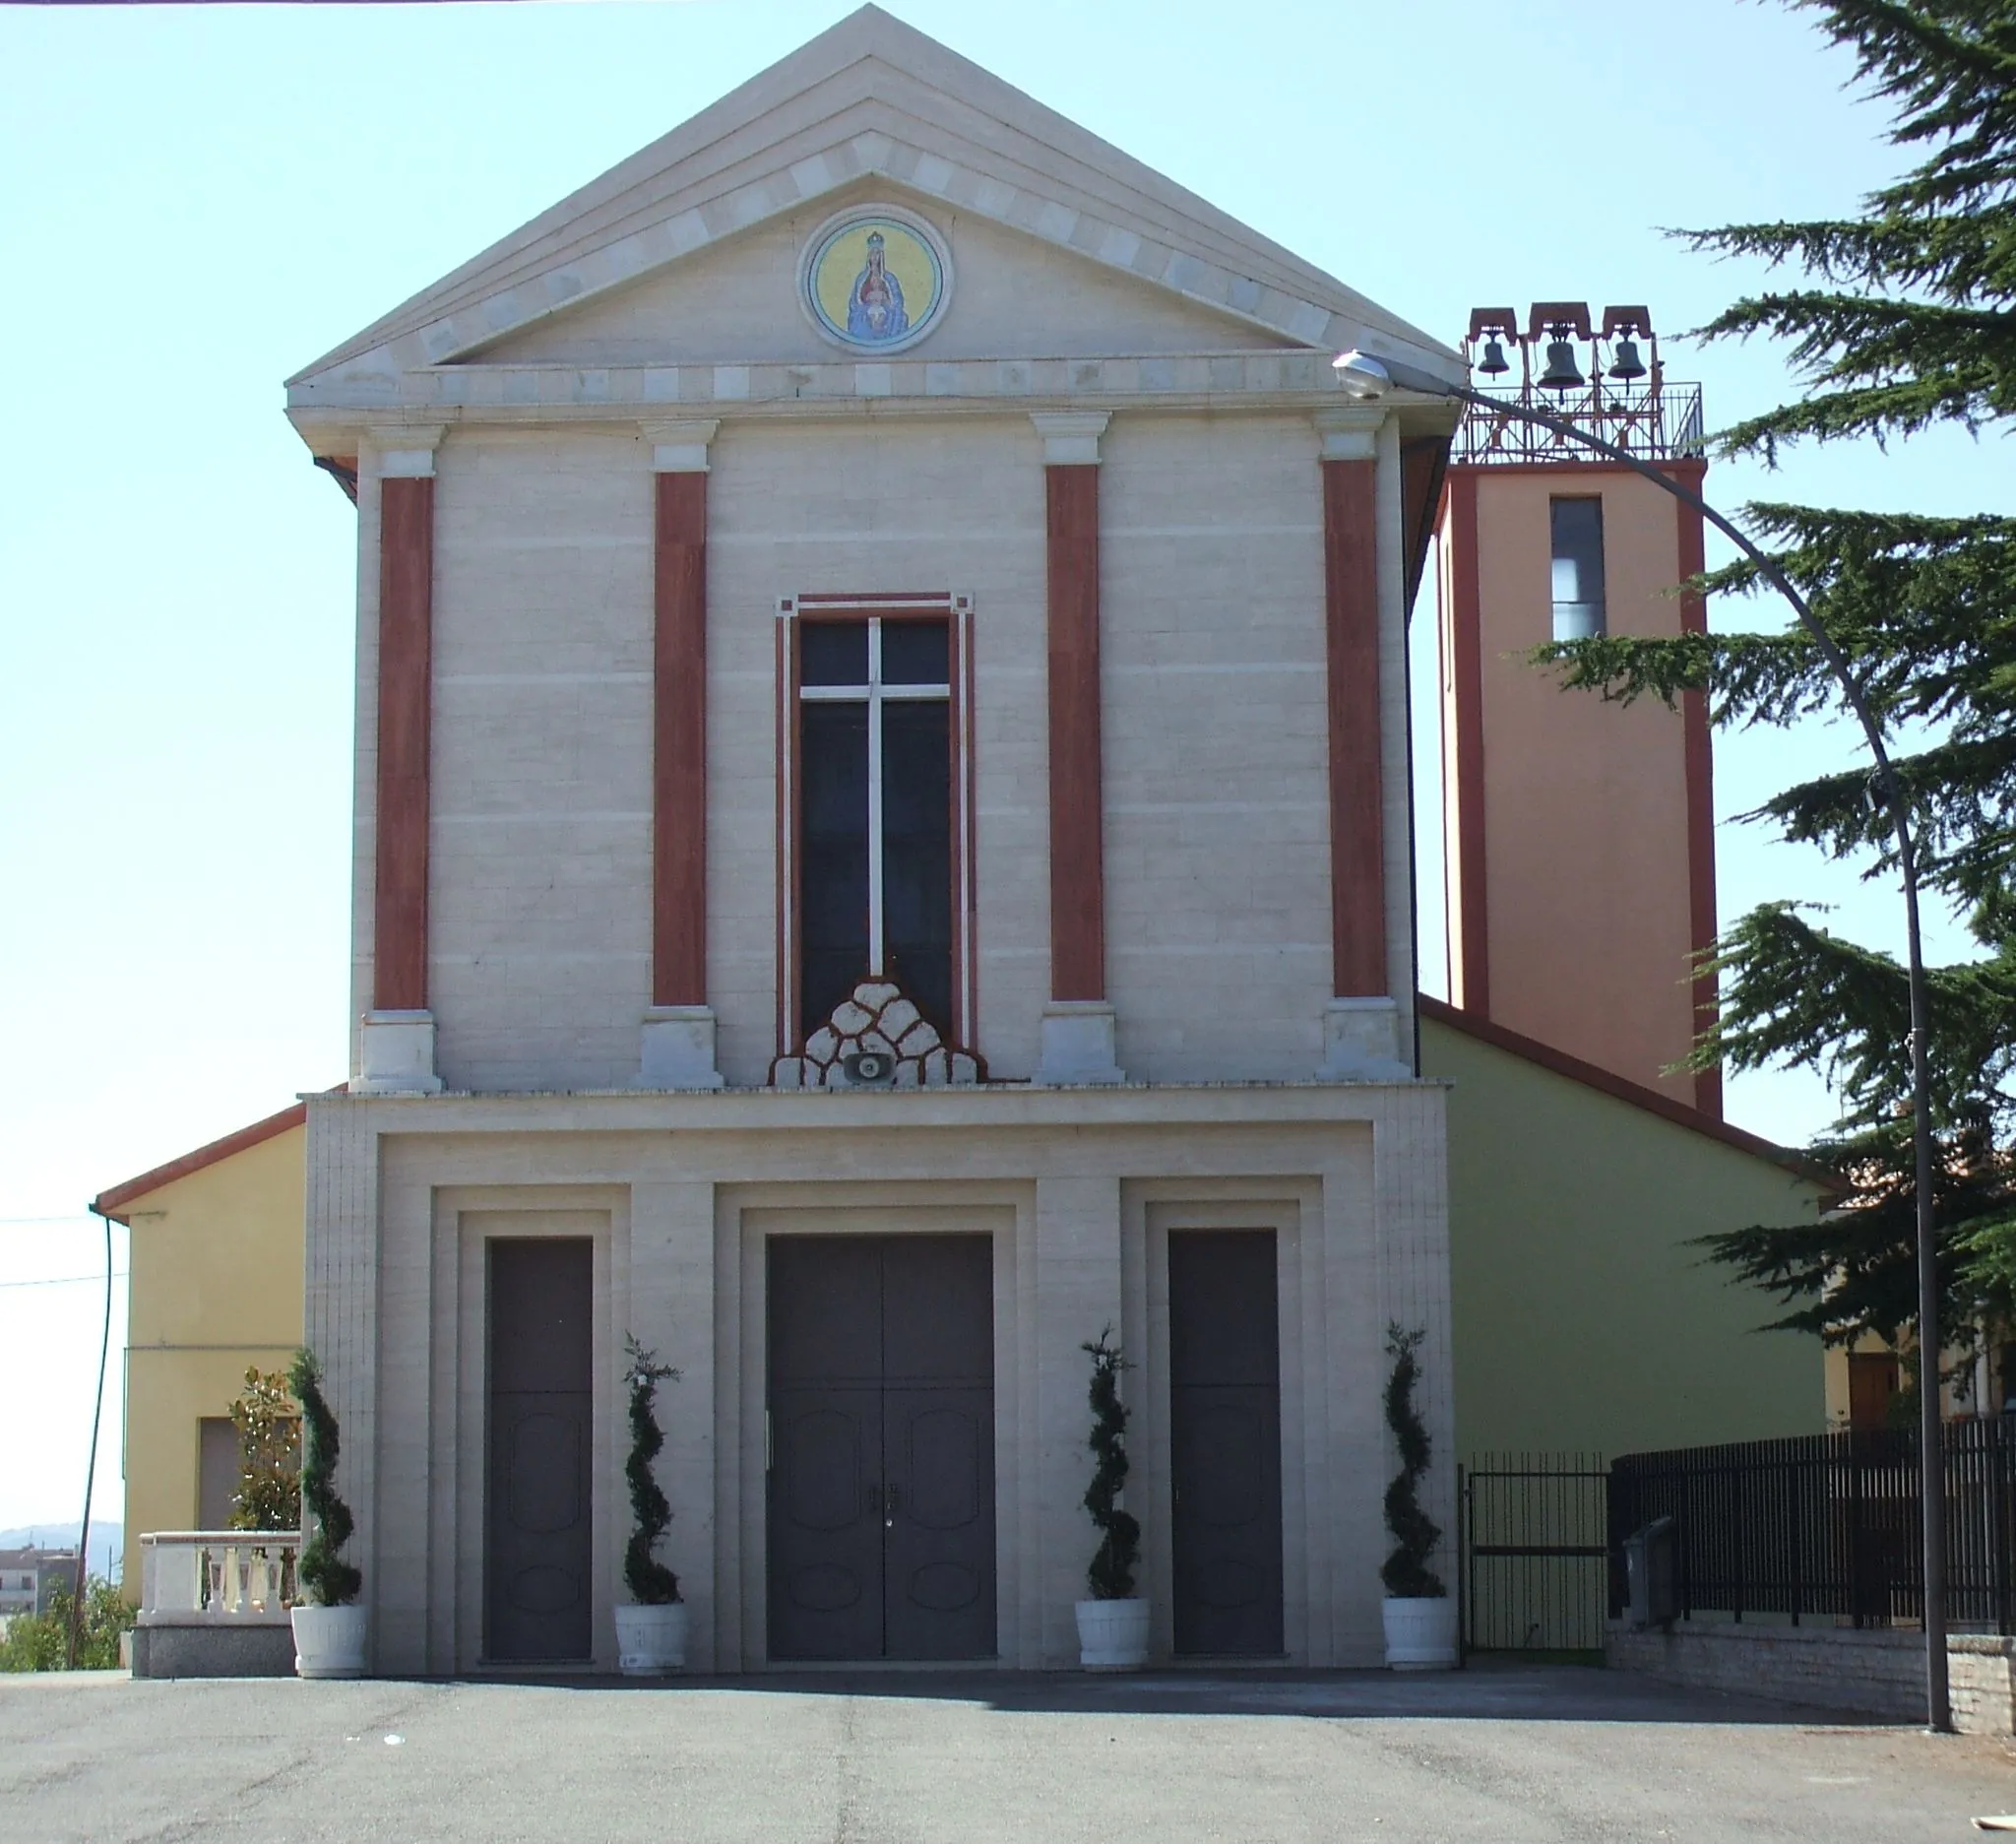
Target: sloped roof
[1618, 1088]
[872, 96]
[122, 1198]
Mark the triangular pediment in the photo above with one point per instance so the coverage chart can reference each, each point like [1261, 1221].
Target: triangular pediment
[871, 108]
[1015, 296]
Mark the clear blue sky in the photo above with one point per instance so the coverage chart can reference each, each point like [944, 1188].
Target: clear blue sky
[199, 201]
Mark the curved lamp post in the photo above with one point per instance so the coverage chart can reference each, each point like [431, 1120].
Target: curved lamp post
[1368, 379]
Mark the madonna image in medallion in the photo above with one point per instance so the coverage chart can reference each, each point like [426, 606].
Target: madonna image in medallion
[875, 279]
[874, 304]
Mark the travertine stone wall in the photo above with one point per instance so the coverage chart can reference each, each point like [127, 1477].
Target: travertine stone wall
[1215, 732]
[677, 1195]
[953, 504]
[1216, 744]
[539, 893]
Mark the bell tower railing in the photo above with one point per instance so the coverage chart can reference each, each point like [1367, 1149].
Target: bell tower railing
[1659, 421]
[1602, 377]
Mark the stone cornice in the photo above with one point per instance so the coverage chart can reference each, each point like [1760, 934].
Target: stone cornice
[533, 392]
[997, 1104]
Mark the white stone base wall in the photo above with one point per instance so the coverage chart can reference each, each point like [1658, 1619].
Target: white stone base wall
[1864, 1672]
[677, 1193]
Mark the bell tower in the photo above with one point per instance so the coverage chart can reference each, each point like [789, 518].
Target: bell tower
[1578, 836]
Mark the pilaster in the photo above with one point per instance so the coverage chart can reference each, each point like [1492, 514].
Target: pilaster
[1079, 1027]
[1361, 1030]
[396, 1049]
[677, 1047]
[1077, 1293]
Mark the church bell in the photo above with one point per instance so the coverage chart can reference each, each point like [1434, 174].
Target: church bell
[1493, 364]
[1563, 372]
[1627, 364]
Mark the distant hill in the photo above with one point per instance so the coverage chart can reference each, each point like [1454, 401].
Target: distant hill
[107, 1541]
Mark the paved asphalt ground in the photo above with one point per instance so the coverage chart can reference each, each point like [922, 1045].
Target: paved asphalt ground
[1549, 1755]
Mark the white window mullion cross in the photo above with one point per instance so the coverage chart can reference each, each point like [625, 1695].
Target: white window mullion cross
[874, 694]
[875, 968]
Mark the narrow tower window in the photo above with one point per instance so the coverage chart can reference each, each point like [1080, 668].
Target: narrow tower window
[1578, 569]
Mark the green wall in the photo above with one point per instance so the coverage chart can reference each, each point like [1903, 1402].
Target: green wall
[1582, 1321]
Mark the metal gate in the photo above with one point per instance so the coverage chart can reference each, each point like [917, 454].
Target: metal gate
[1534, 1555]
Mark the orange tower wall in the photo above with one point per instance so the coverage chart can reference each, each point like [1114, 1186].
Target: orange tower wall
[1578, 834]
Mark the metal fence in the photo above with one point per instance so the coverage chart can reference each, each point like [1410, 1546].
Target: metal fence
[1827, 1526]
[1531, 1552]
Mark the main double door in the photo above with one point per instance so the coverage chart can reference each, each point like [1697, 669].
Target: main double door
[881, 1447]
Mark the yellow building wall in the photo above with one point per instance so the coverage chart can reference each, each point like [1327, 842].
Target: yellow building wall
[1582, 1321]
[216, 1286]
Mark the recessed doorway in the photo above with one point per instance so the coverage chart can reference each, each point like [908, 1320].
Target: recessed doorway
[537, 1538]
[1225, 1443]
[881, 1447]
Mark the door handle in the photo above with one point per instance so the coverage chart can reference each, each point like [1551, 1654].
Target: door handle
[891, 1498]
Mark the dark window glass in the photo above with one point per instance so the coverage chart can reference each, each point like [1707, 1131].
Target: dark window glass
[1578, 569]
[915, 653]
[917, 852]
[833, 914]
[832, 652]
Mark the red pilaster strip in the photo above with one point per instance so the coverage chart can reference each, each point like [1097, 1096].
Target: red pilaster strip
[1358, 880]
[406, 672]
[1700, 771]
[1078, 945]
[1466, 672]
[678, 905]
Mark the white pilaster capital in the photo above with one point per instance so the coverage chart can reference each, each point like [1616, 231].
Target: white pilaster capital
[1070, 436]
[680, 447]
[405, 451]
[1348, 434]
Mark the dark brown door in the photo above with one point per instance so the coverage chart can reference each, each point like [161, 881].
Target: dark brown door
[1871, 1384]
[881, 1490]
[536, 1531]
[1224, 1441]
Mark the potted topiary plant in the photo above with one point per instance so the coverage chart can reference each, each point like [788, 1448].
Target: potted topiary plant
[1419, 1616]
[329, 1628]
[1113, 1626]
[651, 1634]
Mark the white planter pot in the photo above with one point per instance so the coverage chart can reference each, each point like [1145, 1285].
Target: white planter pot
[1420, 1633]
[650, 1640]
[329, 1641]
[1113, 1635]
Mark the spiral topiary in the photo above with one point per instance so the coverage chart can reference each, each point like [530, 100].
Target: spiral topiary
[1406, 1572]
[649, 1581]
[1111, 1574]
[328, 1580]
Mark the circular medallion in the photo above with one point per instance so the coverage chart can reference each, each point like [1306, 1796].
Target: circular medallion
[874, 278]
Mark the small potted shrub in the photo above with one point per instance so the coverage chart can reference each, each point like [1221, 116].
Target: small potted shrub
[1419, 1616]
[651, 1633]
[1113, 1626]
[329, 1628]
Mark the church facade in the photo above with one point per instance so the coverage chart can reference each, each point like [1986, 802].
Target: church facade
[882, 852]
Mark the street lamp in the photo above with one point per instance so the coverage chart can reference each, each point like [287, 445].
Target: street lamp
[1368, 379]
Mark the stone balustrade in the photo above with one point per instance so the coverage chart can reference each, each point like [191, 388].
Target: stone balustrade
[243, 1577]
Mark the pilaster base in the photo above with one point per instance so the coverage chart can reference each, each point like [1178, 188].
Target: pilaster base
[1078, 1046]
[1362, 1042]
[678, 1048]
[396, 1055]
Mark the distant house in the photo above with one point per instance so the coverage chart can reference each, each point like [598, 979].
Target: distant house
[30, 1578]
[18, 1581]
